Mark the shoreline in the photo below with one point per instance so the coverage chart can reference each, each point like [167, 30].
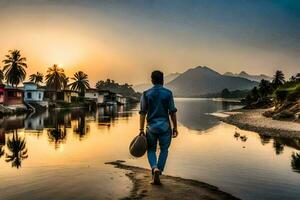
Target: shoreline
[171, 188]
[253, 120]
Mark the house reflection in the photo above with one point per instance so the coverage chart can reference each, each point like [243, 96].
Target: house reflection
[17, 150]
[35, 123]
[107, 115]
[10, 123]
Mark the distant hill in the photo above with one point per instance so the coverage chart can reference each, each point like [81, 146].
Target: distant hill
[145, 86]
[201, 81]
[244, 74]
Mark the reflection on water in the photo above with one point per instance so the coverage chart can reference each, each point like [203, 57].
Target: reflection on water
[295, 163]
[193, 113]
[64, 150]
[17, 150]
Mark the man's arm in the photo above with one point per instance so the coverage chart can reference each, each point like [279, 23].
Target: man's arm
[174, 122]
[172, 113]
[143, 112]
[142, 122]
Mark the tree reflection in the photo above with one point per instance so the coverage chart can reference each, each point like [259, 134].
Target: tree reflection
[278, 146]
[57, 136]
[295, 162]
[264, 139]
[18, 150]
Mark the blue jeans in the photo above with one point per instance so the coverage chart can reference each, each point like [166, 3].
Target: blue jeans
[164, 140]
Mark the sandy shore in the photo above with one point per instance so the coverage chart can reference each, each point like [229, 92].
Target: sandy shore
[253, 120]
[171, 188]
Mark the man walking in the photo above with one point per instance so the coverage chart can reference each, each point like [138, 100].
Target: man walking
[157, 104]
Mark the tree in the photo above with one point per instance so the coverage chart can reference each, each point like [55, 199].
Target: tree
[65, 84]
[14, 68]
[1, 76]
[81, 82]
[255, 94]
[17, 147]
[36, 78]
[55, 78]
[265, 88]
[225, 93]
[111, 85]
[278, 79]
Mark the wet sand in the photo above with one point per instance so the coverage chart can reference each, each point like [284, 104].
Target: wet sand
[253, 120]
[171, 188]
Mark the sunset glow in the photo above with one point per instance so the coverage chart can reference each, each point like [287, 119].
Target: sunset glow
[112, 38]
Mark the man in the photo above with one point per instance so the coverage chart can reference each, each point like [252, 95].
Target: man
[157, 104]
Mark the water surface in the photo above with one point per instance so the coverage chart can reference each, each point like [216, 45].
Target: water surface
[61, 154]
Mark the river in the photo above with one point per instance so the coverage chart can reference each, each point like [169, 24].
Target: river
[60, 154]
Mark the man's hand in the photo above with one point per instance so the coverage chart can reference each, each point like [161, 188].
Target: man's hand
[142, 132]
[174, 133]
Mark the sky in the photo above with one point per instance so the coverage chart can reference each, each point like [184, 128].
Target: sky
[125, 40]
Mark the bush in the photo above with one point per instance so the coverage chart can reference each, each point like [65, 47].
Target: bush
[281, 95]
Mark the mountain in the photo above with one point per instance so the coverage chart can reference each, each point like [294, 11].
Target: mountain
[200, 81]
[244, 74]
[145, 86]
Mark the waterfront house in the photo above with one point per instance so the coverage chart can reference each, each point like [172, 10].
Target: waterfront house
[99, 96]
[11, 96]
[62, 95]
[32, 92]
[120, 99]
[68, 96]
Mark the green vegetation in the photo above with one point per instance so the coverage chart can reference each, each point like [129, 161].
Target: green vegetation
[55, 78]
[14, 68]
[124, 89]
[1, 76]
[37, 78]
[283, 95]
[81, 83]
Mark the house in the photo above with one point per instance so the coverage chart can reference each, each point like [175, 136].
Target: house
[10, 96]
[120, 99]
[62, 95]
[68, 95]
[99, 96]
[32, 92]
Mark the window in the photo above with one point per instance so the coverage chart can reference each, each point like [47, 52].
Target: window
[40, 95]
[29, 95]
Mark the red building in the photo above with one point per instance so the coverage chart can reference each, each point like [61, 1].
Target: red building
[10, 96]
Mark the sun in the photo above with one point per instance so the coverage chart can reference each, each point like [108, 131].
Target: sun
[60, 65]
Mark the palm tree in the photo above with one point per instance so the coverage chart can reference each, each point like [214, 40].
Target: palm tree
[14, 68]
[66, 83]
[55, 78]
[1, 76]
[265, 88]
[81, 82]
[36, 78]
[17, 147]
[278, 79]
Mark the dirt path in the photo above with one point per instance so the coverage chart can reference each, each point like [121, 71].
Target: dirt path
[171, 188]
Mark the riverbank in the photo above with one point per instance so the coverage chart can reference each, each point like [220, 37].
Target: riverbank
[171, 188]
[253, 120]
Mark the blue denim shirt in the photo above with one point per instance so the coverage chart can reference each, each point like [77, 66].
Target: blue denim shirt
[157, 103]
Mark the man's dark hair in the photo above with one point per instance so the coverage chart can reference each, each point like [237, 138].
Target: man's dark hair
[157, 77]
